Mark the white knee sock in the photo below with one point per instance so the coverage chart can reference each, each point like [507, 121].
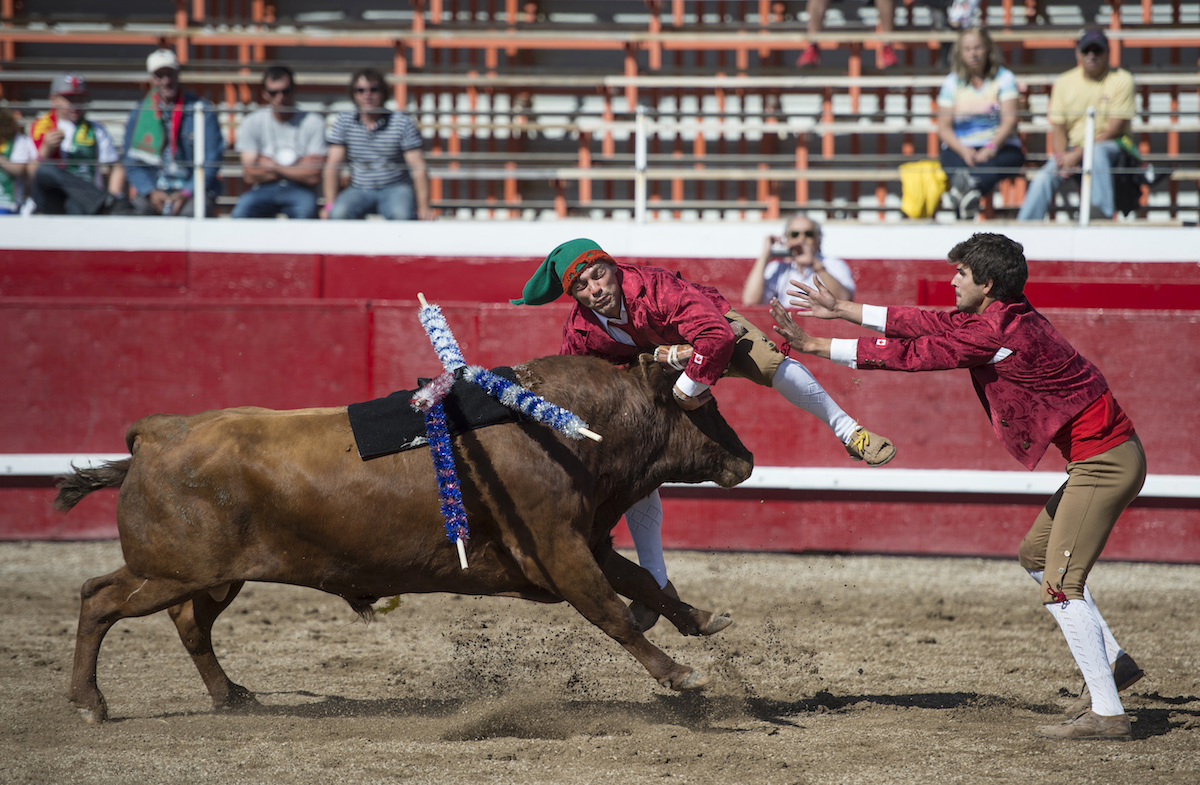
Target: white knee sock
[644, 520]
[1086, 642]
[1111, 649]
[800, 388]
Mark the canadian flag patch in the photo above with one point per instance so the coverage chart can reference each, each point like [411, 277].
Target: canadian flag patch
[698, 358]
[881, 341]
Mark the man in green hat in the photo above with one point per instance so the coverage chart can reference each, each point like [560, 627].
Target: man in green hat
[623, 310]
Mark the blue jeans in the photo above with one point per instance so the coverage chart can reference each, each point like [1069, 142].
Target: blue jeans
[1048, 180]
[1004, 164]
[267, 200]
[396, 202]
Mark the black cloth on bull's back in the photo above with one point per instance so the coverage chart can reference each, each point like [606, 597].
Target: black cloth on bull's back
[389, 425]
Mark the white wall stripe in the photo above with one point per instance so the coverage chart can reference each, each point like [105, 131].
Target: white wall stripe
[792, 478]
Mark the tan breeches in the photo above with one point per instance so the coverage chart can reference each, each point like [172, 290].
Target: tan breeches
[1073, 527]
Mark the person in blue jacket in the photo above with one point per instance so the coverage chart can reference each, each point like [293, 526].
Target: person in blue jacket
[160, 139]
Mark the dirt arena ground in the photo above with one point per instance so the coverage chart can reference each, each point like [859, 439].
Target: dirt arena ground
[837, 670]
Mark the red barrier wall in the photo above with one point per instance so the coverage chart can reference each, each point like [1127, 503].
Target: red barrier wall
[138, 333]
[1143, 285]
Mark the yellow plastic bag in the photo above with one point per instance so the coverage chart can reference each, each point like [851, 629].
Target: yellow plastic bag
[922, 184]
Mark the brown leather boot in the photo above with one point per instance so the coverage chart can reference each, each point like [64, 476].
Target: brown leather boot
[1126, 673]
[645, 617]
[1090, 725]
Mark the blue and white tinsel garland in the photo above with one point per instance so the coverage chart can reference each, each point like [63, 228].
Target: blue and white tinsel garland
[429, 400]
[523, 400]
[442, 339]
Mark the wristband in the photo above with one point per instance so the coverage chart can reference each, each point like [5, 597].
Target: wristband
[991, 145]
[327, 208]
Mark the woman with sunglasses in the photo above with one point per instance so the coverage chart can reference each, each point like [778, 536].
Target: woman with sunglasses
[795, 255]
[383, 148]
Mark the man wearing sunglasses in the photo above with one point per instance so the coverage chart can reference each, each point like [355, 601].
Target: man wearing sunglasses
[383, 148]
[282, 151]
[1091, 84]
[160, 138]
[795, 255]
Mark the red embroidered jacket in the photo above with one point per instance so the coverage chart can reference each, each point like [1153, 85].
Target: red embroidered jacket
[1030, 380]
[662, 309]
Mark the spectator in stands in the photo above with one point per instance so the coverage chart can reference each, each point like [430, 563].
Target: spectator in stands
[282, 151]
[160, 141]
[387, 169]
[1090, 84]
[78, 169]
[795, 255]
[977, 122]
[16, 152]
[885, 56]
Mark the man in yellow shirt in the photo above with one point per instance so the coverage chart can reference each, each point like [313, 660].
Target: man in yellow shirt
[1091, 84]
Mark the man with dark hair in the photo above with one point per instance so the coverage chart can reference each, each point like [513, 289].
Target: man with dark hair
[160, 138]
[624, 310]
[387, 169]
[1037, 390]
[282, 151]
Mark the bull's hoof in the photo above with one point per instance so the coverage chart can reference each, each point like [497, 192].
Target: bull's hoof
[692, 680]
[238, 699]
[644, 617]
[92, 713]
[716, 624]
[92, 716]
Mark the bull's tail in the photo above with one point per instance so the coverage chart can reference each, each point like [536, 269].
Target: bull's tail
[79, 483]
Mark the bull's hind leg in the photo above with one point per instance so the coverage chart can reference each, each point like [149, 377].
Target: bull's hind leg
[573, 574]
[636, 583]
[194, 620]
[105, 601]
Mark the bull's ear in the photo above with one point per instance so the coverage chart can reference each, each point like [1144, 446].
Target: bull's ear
[655, 374]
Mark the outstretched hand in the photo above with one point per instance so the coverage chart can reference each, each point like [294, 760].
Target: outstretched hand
[818, 302]
[786, 326]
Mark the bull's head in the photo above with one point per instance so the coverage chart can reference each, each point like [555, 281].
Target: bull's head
[703, 445]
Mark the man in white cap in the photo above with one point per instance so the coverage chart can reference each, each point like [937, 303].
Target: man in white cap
[1091, 84]
[160, 138]
[78, 170]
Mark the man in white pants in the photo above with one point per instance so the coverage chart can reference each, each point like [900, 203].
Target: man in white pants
[624, 310]
[1037, 390]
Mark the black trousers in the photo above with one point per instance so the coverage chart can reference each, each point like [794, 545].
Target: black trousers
[58, 192]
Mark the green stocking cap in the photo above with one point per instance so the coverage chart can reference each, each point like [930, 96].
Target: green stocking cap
[559, 270]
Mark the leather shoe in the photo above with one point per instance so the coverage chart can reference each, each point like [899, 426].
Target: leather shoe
[1090, 725]
[1126, 673]
[116, 205]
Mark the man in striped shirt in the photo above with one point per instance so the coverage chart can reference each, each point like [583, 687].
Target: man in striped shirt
[387, 170]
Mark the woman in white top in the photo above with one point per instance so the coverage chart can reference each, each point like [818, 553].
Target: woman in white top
[977, 121]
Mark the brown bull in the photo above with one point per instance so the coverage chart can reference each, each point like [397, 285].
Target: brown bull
[212, 500]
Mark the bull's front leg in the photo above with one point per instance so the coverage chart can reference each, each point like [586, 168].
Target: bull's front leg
[638, 584]
[572, 573]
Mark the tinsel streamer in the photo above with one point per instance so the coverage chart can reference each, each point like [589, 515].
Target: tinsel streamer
[524, 400]
[442, 339]
[449, 490]
[433, 393]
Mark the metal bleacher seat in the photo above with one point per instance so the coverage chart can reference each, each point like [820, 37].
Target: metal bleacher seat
[531, 106]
